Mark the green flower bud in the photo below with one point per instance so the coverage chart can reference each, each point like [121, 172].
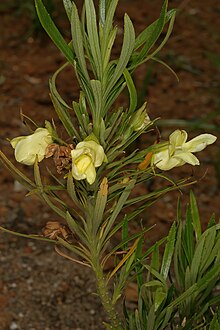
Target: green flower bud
[140, 119]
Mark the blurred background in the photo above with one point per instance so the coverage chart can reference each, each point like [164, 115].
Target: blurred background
[38, 289]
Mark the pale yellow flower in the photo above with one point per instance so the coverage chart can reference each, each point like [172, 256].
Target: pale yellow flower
[85, 158]
[177, 151]
[30, 146]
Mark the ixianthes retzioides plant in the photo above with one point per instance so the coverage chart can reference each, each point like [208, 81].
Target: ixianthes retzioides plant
[95, 168]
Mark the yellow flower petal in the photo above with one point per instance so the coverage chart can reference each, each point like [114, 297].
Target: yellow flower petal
[200, 142]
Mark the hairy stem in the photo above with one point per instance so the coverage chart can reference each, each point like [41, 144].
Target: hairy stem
[102, 288]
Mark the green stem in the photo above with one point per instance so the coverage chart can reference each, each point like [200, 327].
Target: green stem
[101, 281]
[102, 288]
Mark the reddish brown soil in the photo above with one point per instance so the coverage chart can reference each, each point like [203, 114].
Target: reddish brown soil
[38, 289]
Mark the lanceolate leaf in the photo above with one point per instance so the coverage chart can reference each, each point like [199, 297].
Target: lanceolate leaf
[168, 253]
[97, 92]
[150, 35]
[127, 49]
[68, 7]
[108, 27]
[64, 116]
[102, 12]
[132, 91]
[152, 32]
[188, 237]
[42, 193]
[93, 37]
[117, 209]
[76, 228]
[100, 204]
[169, 30]
[31, 236]
[53, 32]
[78, 43]
[195, 215]
[53, 85]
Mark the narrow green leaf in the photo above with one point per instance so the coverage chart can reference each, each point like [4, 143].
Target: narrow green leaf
[102, 12]
[188, 237]
[212, 256]
[155, 261]
[160, 297]
[93, 37]
[76, 229]
[211, 275]
[196, 261]
[127, 240]
[215, 324]
[107, 53]
[166, 38]
[150, 35]
[30, 236]
[168, 253]
[100, 204]
[125, 232]
[166, 66]
[151, 318]
[132, 91]
[167, 317]
[53, 32]
[153, 283]
[195, 215]
[83, 108]
[41, 192]
[97, 92]
[126, 51]
[64, 116]
[187, 280]
[108, 35]
[82, 252]
[68, 8]
[78, 42]
[211, 221]
[138, 267]
[79, 115]
[52, 85]
[209, 244]
[138, 321]
[179, 257]
[72, 191]
[123, 198]
[156, 274]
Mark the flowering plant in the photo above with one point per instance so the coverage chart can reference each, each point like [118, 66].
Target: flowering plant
[97, 167]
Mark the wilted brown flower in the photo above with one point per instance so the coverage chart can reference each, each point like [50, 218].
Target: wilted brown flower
[61, 156]
[53, 229]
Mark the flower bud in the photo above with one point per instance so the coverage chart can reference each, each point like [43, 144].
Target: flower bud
[140, 119]
[30, 146]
